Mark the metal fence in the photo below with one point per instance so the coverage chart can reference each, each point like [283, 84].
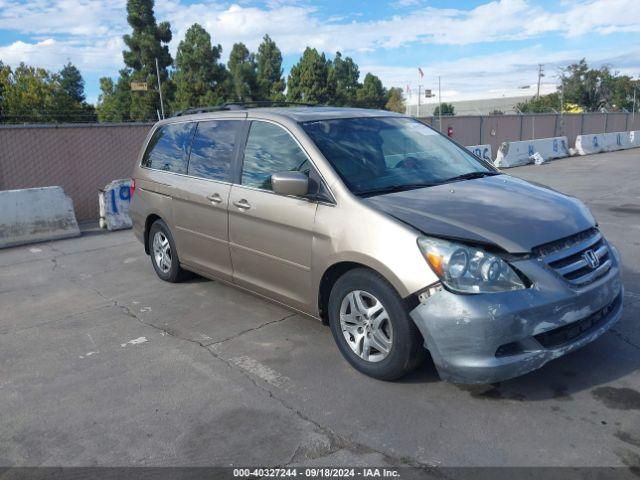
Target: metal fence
[495, 129]
[79, 158]
[84, 158]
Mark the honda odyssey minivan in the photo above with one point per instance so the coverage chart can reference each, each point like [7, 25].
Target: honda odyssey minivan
[399, 239]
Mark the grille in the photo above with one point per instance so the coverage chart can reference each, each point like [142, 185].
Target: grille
[559, 336]
[580, 259]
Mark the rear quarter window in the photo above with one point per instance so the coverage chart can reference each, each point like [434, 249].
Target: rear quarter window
[168, 149]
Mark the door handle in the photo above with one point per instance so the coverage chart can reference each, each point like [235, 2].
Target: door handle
[242, 204]
[214, 198]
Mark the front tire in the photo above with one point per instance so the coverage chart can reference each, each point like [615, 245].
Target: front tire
[371, 326]
[164, 256]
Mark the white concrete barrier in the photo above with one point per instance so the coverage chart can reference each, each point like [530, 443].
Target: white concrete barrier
[606, 142]
[513, 154]
[617, 141]
[588, 144]
[114, 201]
[482, 151]
[35, 215]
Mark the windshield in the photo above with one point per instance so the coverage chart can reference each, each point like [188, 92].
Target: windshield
[377, 155]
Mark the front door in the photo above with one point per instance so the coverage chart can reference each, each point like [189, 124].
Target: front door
[201, 198]
[271, 235]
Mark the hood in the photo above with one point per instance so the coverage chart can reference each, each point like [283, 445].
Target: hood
[500, 210]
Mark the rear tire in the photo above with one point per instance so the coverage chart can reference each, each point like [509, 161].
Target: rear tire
[372, 328]
[164, 256]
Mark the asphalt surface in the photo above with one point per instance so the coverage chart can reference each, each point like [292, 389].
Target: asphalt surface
[101, 363]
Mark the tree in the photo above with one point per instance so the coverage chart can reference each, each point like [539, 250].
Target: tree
[593, 89]
[147, 42]
[5, 72]
[309, 80]
[447, 109]
[114, 101]
[199, 76]
[27, 94]
[543, 104]
[243, 76]
[269, 70]
[346, 74]
[72, 83]
[395, 100]
[34, 95]
[371, 94]
[68, 96]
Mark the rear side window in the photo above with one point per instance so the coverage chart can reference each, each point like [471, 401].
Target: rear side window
[212, 149]
[270, 149]
[168, 148]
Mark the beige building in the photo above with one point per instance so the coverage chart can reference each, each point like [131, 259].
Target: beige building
[483, 106]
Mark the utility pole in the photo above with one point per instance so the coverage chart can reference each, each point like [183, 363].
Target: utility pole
[633, 109]
[439, 105]
[419, 95]
[540, 75]
[159, 89]
[562, 108]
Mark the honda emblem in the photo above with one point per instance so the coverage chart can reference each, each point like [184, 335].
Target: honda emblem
[591, 258]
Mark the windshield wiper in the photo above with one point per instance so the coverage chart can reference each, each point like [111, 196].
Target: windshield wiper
[470, 176]
[395, 188]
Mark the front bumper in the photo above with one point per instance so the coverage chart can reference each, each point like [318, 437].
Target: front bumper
[488, 338]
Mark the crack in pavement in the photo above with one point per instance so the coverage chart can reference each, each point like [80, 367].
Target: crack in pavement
[624, 338]
[248, 330]
[336, 441]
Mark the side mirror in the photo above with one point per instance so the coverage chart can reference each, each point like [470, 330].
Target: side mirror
[290, 183]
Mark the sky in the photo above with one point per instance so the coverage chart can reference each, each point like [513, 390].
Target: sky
[479, 49]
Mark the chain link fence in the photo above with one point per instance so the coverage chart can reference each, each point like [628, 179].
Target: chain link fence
[495, 129]
[79, 158]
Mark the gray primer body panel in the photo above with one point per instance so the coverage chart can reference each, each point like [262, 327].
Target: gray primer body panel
[501, 210]
[463, 332]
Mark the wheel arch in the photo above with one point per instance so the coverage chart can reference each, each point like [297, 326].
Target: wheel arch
[338, 269]
[150, 220]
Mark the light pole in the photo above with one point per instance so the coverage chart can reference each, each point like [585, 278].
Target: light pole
[633, 108]
[561, 76]
[159, 88]
[540, 75]
[439, 105]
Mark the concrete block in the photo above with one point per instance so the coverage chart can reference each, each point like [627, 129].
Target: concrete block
[482, 151]
[114, 202]
[35, 215]
[513, 154]
[607, 142]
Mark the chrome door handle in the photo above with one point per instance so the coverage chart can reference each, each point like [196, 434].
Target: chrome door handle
[242, 204]
[215, 198]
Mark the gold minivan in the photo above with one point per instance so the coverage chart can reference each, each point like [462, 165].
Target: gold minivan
[373, 222]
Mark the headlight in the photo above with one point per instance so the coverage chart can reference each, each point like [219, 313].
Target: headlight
[468, 269]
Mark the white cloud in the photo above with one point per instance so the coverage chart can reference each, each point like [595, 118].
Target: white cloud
[88, 32]
[104, 55]
[295, 25]
[82, 18]
[499, 74]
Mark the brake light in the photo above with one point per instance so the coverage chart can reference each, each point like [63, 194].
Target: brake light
[132, 188]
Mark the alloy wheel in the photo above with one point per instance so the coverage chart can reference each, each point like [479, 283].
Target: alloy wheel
[162, 251]
[366, 326]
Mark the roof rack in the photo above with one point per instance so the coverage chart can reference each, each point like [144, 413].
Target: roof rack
[241, 106]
